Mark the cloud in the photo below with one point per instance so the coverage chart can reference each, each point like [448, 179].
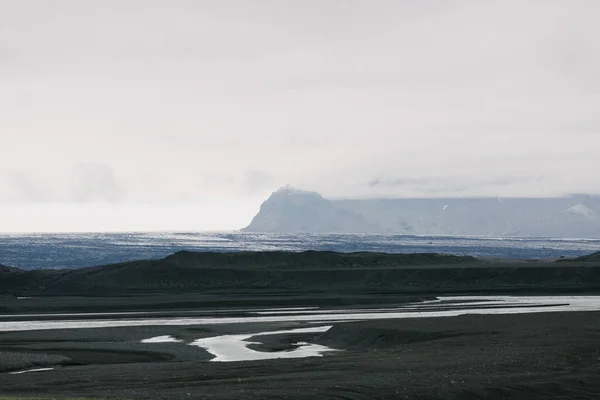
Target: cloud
[95, 182]
[456, 185]
[448, 182]
[257, 181]
[83, 183]
[26, 188]
[195, 101]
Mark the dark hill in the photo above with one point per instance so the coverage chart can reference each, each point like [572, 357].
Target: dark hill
[589, 258]
[310, 259]
[307, 272]
[193, 271]
[4, 268]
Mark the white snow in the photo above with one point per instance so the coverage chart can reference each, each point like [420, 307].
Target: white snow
[581, 209]
[31, 370]
[161, 339]
[286, 309]
[229, 348]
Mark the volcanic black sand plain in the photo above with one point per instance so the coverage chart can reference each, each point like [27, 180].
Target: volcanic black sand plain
[519, 356]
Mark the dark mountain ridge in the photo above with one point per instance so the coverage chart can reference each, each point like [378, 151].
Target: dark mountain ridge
[595, 257]
[306, 272]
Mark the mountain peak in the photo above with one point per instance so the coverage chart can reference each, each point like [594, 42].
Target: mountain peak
[293, 210]
[289, 189]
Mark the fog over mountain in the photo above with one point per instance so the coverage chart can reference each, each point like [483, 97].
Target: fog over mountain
[292, 210]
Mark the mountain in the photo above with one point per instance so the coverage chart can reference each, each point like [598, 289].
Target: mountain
[293, 210]
[289, 210]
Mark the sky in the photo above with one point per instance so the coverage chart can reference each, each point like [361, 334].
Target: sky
[187, 114]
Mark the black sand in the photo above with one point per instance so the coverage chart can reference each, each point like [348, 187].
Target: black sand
[527, 356]
[535, 356]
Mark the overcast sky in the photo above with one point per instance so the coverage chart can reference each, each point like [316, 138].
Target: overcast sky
[214, 104]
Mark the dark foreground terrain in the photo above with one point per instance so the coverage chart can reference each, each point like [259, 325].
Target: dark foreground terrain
[537, 356]
[268, 273]
[524, 356]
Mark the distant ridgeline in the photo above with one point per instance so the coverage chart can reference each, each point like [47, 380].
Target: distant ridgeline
[290, 210]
